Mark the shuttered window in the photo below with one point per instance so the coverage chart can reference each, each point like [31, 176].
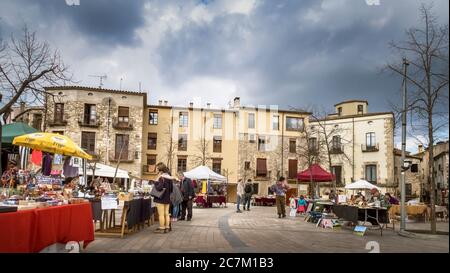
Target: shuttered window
[261, 167]
[292, 146]
[124, 114]
[293, 168]
[121, 145]
[59, 111]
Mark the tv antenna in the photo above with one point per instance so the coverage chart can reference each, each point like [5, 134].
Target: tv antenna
[101, 78]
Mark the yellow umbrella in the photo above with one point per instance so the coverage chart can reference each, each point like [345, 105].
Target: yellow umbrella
[51, 143]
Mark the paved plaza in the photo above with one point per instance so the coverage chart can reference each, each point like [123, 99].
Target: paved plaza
[260, 230]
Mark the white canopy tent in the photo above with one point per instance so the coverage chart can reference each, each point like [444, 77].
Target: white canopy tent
[361, 185]
[204, 173]
[105, 171]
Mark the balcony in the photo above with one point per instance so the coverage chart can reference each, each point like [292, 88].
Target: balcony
[369, 148]
[149, 169]
[62, 121]
[121, 125]
[313, 150]
[339, 149]
[89, 121]
[125, 157]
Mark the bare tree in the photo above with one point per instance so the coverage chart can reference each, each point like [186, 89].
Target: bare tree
[426, 49]
[171, 147]
[27, 65]
[202, 154]
[332, 141]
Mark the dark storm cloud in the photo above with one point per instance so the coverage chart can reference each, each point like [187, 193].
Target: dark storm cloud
[102, 21]
[298, 61]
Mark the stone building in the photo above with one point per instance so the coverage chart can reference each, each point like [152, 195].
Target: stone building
[361, 144]
[31, 115]
[440, 167]
[107, 124]
[413, 176]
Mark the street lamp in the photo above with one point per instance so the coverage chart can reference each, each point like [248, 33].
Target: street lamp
[402, 182]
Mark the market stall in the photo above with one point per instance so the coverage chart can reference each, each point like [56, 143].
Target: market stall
[315, 174]
[32, 230]
[213, 186]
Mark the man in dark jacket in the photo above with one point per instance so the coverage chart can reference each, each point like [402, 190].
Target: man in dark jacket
[187, 190]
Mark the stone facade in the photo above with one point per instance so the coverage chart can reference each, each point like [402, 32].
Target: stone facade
[106, 104]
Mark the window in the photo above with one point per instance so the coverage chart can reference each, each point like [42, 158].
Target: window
[151, 163]
[37, 121]
[124, 115]
[90, 114]
[182, 143]
[337, 171]
[339, 111]
[184, 120]
[261, 167]
[371, 173]
[370, 140]
[293, 163]
[292, 146]
[58, 132]
[181, 166]
[88, 142]
[152, 139]
[217, 166]
[336, 143]
[217, 122]
[247, 165]
[121, 147]
[153, 117]
[276, 123]
[360, 109]
[217, 144]
[261, 143]
[251, 138]
[251, 121]
[408, 189]
[255, 188]
[294, 124]
[415, 168]
[59, 112]
[312, 144]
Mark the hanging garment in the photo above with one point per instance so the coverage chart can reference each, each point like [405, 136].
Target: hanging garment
[36, 157]
[57, 160]
[68, 169]
[47, 164]
[24, 157]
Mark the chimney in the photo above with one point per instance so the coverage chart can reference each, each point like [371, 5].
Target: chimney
[208, 105]
[191, 105]
[420, 148]
[160, 102]
[237, 102]
[165, 103]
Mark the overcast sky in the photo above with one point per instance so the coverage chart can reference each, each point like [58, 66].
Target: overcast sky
[286, 53]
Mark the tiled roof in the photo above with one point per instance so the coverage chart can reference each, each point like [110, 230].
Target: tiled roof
[85, 88]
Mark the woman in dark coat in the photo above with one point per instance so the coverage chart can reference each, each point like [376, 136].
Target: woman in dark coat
[165, 181]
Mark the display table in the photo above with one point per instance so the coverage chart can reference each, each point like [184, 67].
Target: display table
[413, 210]
[376, 216]
[33, 230]
[264, 201]
[215, 199]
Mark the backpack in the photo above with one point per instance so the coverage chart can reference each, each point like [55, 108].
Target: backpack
[175, 196]
[248, 188]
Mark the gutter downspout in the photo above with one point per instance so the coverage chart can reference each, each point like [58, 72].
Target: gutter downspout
[353, 159]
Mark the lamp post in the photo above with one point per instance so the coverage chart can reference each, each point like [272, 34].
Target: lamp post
[403, 166]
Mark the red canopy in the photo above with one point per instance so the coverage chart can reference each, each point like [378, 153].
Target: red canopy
[318, 174]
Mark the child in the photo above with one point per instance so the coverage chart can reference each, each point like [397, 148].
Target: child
[301, 208]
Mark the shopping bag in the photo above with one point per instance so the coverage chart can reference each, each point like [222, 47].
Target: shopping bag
[293, 213]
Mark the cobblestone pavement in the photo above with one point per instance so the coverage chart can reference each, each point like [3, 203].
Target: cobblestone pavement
[260, 230]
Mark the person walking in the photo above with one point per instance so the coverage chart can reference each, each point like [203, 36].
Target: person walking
[164, 183]
[188, 193]
[248, 192]
[176, 198]
[240, 195]
[280, 189]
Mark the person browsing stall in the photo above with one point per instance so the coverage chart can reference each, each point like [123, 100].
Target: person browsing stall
[164, 182]
[188, 192]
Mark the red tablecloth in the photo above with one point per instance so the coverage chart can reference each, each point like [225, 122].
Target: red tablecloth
[218, 199]
[34, 230]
